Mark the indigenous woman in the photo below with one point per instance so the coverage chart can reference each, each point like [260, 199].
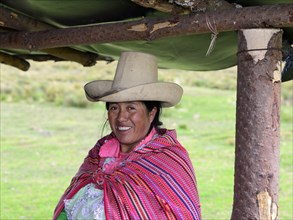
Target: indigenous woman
[139, 170]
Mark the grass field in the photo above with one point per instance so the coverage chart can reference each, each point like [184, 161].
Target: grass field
[43, 145]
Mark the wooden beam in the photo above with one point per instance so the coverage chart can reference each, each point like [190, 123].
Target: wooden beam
[47, 57]
[20, 22]
[163, 6]
[84, 58]
[40, 57]
[186, 6]
[278, 16]
[14, 61]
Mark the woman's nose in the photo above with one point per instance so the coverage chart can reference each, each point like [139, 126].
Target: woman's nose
[122, 116]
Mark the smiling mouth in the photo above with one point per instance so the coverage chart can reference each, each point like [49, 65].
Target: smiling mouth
[123, 128]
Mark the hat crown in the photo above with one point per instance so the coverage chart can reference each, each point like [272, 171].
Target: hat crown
[133, 69]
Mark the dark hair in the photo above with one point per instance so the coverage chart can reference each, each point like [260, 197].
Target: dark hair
[150, 105]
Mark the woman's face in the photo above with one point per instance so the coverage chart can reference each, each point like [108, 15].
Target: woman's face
[130, 122]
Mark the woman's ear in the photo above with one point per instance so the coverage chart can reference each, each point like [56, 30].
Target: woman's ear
[152, 114]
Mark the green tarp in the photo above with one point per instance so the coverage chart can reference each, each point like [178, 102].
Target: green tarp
[182, 52]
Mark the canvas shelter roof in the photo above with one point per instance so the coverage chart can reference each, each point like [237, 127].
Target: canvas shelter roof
[186, 52]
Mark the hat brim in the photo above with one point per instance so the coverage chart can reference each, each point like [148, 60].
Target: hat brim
[169, 94]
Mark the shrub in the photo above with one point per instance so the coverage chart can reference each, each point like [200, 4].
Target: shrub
[62, 83]
[75, 100]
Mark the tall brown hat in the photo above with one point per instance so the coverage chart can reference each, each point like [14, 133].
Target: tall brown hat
[136, 79]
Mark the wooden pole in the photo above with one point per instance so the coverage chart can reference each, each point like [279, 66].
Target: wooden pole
[257, 125]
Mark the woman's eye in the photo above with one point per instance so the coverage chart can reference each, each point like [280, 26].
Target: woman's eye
[112, 108]
[131, 108]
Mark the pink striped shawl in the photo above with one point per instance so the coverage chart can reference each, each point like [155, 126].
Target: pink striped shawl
[154, 182]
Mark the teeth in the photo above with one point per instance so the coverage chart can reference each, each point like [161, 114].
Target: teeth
[123, 128]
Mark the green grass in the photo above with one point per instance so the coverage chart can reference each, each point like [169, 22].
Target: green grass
[43, 145]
